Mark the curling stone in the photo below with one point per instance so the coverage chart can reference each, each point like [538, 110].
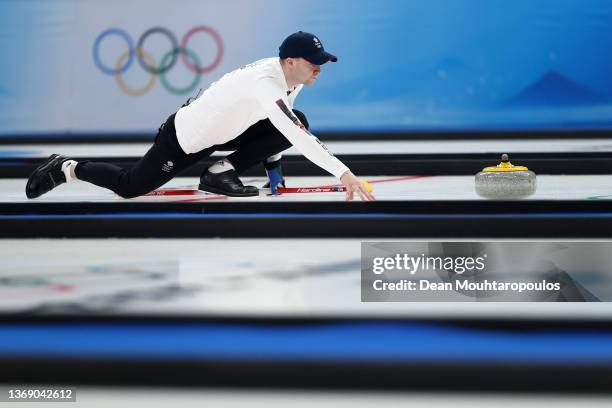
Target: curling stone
[505, 181]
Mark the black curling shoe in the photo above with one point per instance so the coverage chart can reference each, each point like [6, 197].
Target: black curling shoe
[46, 177]
[226, 183]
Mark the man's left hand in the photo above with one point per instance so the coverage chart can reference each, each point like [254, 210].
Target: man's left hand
[275, 176]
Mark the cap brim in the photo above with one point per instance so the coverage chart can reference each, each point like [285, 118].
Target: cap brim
[321, 58]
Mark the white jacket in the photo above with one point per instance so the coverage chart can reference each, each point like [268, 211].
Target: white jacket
[242, 98]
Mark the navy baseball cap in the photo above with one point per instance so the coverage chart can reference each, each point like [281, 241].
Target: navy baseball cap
[307, 46]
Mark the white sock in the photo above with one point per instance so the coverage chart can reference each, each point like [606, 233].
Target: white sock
[221, 166]
[274, 158]
[67, 166]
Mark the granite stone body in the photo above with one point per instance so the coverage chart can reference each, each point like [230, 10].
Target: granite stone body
[505, 185]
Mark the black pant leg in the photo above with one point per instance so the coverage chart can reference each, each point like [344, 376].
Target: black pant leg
[164, 160]
[259, 142]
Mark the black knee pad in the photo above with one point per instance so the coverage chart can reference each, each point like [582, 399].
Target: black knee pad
[130, 193]
[302, 118]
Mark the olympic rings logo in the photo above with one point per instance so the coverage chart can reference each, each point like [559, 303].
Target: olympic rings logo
[148, 63]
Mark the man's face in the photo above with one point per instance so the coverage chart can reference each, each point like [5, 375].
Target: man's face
[305, 72]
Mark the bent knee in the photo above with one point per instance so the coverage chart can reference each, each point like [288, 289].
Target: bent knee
[300, 115]
[130, 193]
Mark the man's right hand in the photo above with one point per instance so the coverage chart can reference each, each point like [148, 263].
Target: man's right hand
[352, 185]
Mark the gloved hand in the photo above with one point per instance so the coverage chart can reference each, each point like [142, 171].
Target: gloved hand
[275, 176]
